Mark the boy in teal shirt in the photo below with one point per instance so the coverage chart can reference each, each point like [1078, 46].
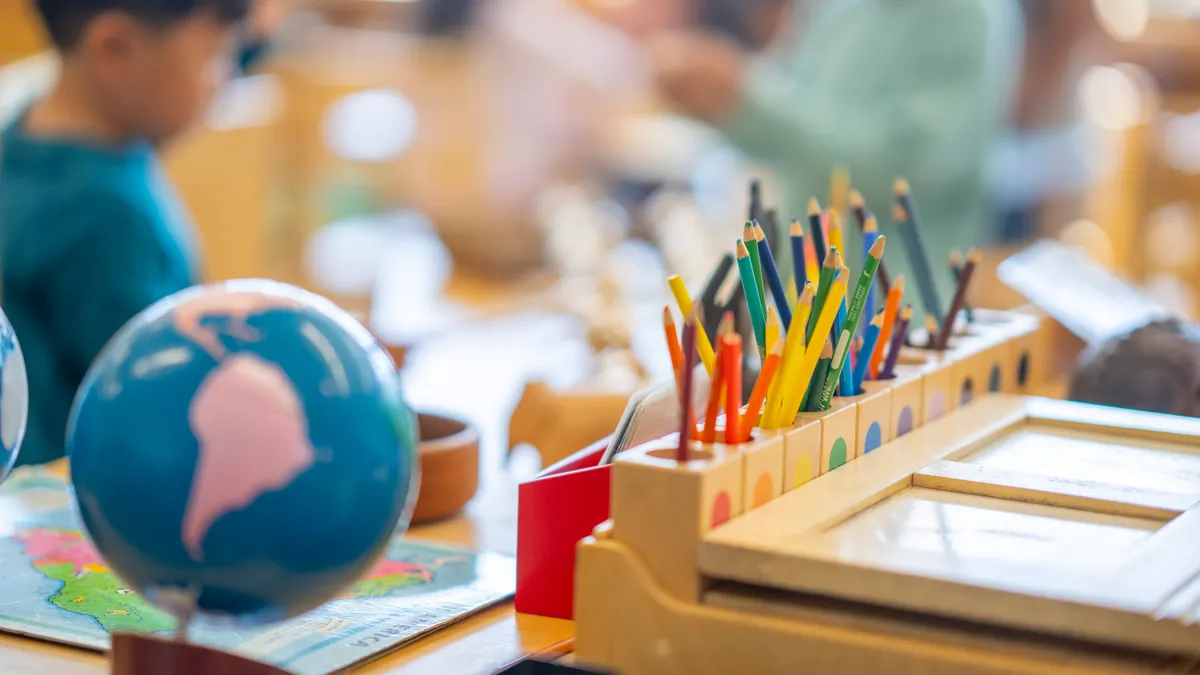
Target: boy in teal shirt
[90, 232]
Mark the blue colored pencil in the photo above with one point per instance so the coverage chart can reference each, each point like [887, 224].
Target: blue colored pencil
[870, 339]
[767, 259]
[799, 264]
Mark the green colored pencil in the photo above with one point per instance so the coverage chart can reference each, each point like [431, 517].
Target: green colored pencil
[829, 269]
[753, 303]
[750, 238]
[810, 401]
[853, 316]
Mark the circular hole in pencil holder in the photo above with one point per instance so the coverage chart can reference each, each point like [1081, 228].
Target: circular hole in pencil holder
[695, 452]
[1023, 369]
[967, 393]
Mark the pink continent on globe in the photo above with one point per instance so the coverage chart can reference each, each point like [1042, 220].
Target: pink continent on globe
[59, 546]
[253, 439]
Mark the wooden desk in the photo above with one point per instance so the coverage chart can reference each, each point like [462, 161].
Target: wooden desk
[476, 373]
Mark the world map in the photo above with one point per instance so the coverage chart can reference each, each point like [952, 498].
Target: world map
[54, 586]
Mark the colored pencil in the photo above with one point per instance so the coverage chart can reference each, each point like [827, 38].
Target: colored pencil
[899, 338]
[859, 206]
[708, 433]
[870, 339]
[712, 287]
[839, 185]
[758, 395]
[905, 215]
[771, 272]
[960, 297]
[773, 327]
[869, 235]
[750, 237]
[686, 414]
[819, 375]
[835, 231]
[842, 347]
[769, 223]
[799, 263]
[931, 331]
[817, 230]
[757, 318]
[684, 302]
[754, 212]
[731, 348]
[673, 346]
[833, 263]
[956, 268]
[890, 308]
[803, 377]
[793, 354]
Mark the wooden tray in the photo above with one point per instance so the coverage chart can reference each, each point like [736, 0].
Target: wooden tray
[1027, 514]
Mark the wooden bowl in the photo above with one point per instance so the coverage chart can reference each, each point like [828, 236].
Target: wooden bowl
[449, 467]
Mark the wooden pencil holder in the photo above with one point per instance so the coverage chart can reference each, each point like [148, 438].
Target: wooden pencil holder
[906, 391]
[936, 382]
[660, 506]
[839, 433]
[916, 558]
[873, 415]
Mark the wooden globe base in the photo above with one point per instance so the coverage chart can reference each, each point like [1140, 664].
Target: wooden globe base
[139, 655]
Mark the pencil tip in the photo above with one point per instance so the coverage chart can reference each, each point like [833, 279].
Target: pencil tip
[906, 312]
[667, 316]
[806, 296]
[742, 251]
[877, 248]
[797, 229]
[956, 257]
[900, 187]
[835, 220]
[975, 256]
[899, 213]
[814, 207]
[759, 235]
[843, 276]
[931, 324]
[827, 350]
[878, 320]
[777, 348]
[856, 198]
[748, 231]
[870, 224]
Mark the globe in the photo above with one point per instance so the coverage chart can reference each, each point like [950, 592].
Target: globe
[242, 450]
[14, 397]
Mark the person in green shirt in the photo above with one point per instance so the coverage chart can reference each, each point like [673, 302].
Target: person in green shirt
[918, 89]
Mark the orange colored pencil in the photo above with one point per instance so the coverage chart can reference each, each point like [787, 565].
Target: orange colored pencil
[708, 434]
[759, 394]
[890, 309]
[731, 357]
[673, 345]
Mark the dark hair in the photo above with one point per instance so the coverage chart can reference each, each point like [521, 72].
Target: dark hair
[66, 19]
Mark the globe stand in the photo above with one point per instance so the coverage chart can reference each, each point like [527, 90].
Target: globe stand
[140, 655]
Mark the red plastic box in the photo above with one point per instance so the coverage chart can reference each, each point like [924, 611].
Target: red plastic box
[562, 505]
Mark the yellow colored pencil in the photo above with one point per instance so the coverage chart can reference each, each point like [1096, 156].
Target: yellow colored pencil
[703, 347]
[772, 327]
[801, 378]
[793, 351]
[835, 231]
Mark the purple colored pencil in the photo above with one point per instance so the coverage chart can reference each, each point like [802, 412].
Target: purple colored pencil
[899, 339]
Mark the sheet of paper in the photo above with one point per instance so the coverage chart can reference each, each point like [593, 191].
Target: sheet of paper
[54, 586]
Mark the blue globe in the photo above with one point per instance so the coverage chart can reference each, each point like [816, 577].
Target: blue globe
[242, 450]
[14, 397]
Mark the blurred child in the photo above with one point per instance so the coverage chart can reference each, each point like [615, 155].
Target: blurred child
[90, 232]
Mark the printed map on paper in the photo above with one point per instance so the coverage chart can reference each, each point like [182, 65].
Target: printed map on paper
[54, 586]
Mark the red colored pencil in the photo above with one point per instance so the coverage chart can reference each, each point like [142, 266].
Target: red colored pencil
[759, 393]
[673, 346]
[731, 354]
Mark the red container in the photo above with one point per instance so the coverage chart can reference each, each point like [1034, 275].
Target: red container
[562, 505]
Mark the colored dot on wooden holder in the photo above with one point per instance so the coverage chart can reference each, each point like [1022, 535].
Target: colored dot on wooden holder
[722, 508]
[763, 490]
[837, 454]
[874, 437]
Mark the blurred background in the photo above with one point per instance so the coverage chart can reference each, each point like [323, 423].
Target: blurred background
[503, 185]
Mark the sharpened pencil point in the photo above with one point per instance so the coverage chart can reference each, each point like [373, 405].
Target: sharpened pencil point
[975, 256]
[856, 199]
[797, 229]
[748, 231]
[900, 187]
[742, 251]
[899, 213]
[877, 248]
[759, 235]
[827, 350]
[956, 258]
[814, 207]
[878, 320]
[870, 224]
